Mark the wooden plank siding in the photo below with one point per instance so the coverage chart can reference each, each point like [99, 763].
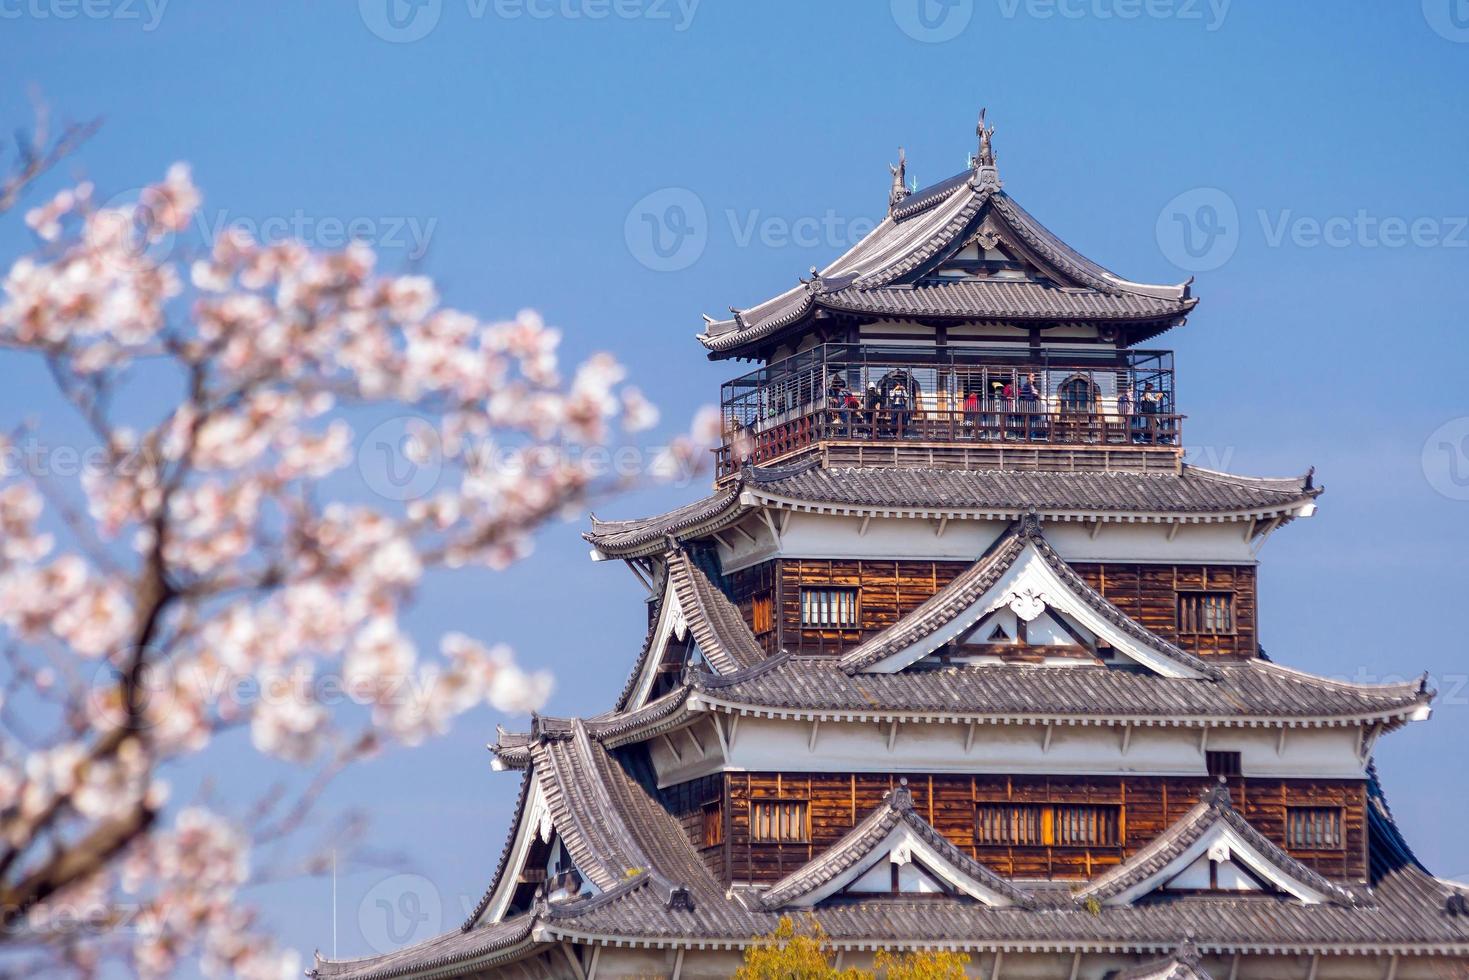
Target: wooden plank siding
[889, 590]
[1148, 805]
[686, 801]
[1150, 595]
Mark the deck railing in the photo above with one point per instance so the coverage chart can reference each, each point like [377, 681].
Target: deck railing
[845, 392]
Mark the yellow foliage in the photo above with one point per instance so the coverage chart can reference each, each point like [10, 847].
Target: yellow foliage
[789, 953]
[924, 965]
[792, 953]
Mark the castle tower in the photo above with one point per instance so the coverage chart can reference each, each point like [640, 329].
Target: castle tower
[959, 653]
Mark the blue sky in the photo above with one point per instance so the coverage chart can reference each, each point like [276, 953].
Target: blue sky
[1313, 152]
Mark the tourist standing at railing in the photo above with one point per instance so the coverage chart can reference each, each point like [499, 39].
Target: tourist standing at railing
[1151, 404]
[898, 398]
[971, 412]
[1030, 405]
[1012, 421]
[1124, 412]
[874, 407]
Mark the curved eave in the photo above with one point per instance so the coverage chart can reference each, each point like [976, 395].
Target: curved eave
[1389, 719]
[563, 931]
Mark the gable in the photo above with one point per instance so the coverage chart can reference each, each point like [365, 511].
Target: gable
[902, 863]
[1030, 590]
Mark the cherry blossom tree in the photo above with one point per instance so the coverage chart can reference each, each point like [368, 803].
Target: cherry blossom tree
[218, 562]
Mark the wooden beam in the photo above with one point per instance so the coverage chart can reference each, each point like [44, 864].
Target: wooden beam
[1126, 737]
[893, 733]
[1392, 968]
[785, 518]
[770, 523]
[671, 747]
[999, 962]
[1203, 740]
[743, 533]
[719, 733]
[1280, 740]
[943, 526]
[861, 531]
[1075, 965]
[1096, 527]
[1234, 968]
[596, 956]
[1046, 742]
[698, 744]
[638, 573]
[569, 952]
[811, 739]
[1173, 530]
[734, 726]
[969, 736]
[677, 965]
[1315, 965]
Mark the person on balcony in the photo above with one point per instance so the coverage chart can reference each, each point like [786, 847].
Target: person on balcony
[1150, 403]
[1007, 401]
[898, 399]
[1030, 406]
[971, 413]
[1124, 412]
[874, 407]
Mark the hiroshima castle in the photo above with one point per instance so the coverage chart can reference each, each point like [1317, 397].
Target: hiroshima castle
[959, 654]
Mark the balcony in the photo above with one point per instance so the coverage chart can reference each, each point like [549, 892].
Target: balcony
[950, 400]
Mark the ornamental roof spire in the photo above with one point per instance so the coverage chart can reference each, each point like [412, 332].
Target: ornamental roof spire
[986, 174]
[900, 176]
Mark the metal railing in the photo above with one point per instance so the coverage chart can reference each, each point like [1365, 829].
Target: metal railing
[955, 395]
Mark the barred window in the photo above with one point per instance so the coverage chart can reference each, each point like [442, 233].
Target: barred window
[1008, 823]
[827, 606]
[1086, 825]
[779, 821]
[1222, 763]
[1313, 828]
[1048, 825]
[1206, 612]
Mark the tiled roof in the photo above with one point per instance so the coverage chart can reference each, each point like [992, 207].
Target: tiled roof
[1182, 965]
[959, 595]
[1246, 692]
[1168, 846]
[883, 275]
[895, 810]
[1192, 494]
[716, 623]
[673, 900]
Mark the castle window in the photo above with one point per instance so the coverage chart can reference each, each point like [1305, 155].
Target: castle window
[827, 606]
[762, 614]
[1223, 763]
[779, 821]
[1048, 825]
[1206, 612]
[713, 824]
[1087, 826]
[1008, 823]
[1313, 828]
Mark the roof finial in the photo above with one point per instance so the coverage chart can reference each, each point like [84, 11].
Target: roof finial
[986, 156]
[900, 185]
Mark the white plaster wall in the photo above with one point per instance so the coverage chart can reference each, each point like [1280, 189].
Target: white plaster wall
[809, 535]
[765, 744]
